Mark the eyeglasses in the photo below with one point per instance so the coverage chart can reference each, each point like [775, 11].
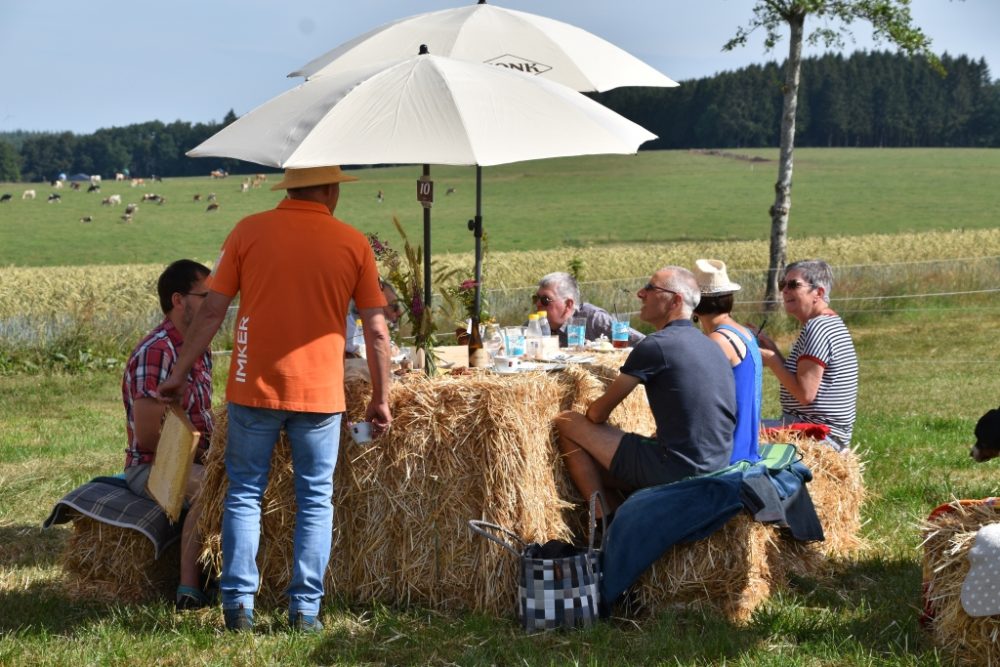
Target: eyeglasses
[201, 294]
[793, 284]
[650, 287]
[542, 300]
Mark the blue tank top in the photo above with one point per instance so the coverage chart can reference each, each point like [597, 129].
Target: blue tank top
[747, 375]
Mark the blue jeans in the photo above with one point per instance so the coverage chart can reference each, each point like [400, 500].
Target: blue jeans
[252, 435]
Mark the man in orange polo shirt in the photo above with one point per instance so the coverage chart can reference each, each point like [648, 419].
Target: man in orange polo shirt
[296, 268]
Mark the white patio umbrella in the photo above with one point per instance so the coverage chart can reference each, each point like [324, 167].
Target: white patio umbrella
[489, 34]
[425, 109]
[520, 41]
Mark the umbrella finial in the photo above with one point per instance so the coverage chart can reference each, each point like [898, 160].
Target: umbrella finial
[423, 50]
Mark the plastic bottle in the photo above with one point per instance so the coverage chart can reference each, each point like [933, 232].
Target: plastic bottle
[543, 320]
[533, 338]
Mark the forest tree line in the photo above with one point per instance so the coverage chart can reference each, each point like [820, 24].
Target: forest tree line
[868, 99]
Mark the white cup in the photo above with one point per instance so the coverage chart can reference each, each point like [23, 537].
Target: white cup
[502, 364]
[361, 432]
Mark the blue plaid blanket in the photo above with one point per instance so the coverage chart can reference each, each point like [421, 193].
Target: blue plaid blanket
[109, 500]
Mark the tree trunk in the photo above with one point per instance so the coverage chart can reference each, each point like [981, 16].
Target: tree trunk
[783, 188]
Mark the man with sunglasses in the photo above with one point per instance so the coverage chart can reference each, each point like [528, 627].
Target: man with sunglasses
[689, 385]
[559, 296]
[182, 288]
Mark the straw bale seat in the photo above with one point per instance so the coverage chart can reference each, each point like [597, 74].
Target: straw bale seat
[948, 536]
[114, 564]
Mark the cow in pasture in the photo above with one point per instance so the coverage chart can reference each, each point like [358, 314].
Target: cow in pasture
[57, 184]
[211, 196]
[74, 186]
[214, 206]
[449, 191]
[197, 197]
[28, 194]
[55, 197]
[219, 173]
[244, 187]
[94, 187]
[113, 200]
[149, 196]
[127, 217]
[987, 437]
[119, 177]
[95, 179]
[137, 182]
[87, 218]
[6, 198]
[161, 201]
[130, 209]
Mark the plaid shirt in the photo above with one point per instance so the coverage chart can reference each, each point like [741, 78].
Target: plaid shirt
[149, 365]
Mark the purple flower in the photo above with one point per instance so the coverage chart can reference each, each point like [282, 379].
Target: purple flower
[417, 307]
[469, 284]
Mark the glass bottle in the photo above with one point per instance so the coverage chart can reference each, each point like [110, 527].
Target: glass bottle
[478, 356]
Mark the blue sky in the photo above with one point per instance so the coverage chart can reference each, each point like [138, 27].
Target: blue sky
[81, 66]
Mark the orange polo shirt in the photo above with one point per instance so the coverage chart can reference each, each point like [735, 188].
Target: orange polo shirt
[296, 268]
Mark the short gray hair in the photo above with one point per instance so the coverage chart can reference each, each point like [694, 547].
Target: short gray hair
[683, 282]
[563, 284]
[816, 272]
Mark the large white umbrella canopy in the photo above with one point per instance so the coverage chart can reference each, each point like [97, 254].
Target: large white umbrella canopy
[424, 109]
[485, 33]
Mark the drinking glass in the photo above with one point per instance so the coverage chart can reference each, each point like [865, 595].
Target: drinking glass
[493, 340]
[576, 333]
[619, 331]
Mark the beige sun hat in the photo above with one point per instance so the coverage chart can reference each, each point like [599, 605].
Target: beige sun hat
[308, 176]
[712, 277]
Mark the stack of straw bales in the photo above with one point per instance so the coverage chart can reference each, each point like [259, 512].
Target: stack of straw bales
[947, 540]
[481, 446]
[112, 564]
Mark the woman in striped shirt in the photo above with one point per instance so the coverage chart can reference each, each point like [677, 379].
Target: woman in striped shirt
[819, 378]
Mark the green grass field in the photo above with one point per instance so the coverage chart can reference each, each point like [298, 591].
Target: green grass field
[654, 197]
[928, 370]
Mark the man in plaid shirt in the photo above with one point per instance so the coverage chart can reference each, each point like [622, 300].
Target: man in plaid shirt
[181, 287]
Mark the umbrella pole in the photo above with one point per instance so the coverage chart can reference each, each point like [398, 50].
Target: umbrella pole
[476, 226]
[427, 247]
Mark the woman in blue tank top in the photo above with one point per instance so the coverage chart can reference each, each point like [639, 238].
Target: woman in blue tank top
[740, 347]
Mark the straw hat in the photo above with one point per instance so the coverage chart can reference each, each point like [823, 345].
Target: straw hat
[712, 277]
[305, 177]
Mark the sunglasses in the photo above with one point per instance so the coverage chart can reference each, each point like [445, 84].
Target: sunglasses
[542, 300]
[650, 287]
[792, 284]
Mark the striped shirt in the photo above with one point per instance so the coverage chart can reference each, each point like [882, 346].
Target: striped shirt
[825, 340]
[150, 364]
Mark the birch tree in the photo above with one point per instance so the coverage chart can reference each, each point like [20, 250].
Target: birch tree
[890, 21]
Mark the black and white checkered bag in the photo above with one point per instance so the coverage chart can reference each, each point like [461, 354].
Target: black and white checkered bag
[557, 582]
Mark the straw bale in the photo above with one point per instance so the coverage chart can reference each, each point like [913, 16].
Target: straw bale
[734, 570]
[947, 540]
[116, 564]
[461, 447]
[838, 492]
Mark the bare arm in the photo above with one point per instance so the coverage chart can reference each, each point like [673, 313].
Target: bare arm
[377, 349]
[196, 340]
[602, 407]
[147, 417]
[804, 384]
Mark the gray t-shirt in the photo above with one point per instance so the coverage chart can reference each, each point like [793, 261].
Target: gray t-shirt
[689, 384]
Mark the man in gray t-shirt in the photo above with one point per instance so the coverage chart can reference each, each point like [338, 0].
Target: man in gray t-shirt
[689, 384]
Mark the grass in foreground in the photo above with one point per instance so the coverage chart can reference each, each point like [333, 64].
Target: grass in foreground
[920, 396]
